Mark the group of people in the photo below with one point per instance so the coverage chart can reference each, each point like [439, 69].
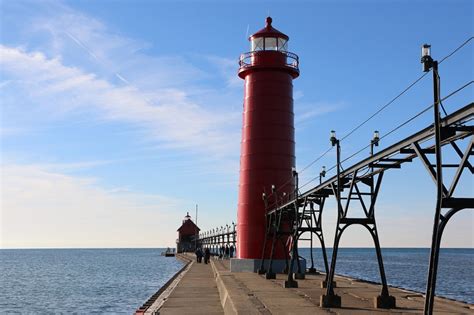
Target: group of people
[225, 252]
[200, 254]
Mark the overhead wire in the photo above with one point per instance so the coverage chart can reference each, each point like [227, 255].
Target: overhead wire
[391, 102]
[405, 90]
[281, 186]
[395, 129]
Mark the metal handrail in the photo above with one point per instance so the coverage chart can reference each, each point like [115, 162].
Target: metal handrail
[292, 59]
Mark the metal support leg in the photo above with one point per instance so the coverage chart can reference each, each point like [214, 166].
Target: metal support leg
[331, 299]
[290, 282]
[325, 257]
[311, 270]
[433, 270]
[262, 270]
[384, 300]
[270, 274]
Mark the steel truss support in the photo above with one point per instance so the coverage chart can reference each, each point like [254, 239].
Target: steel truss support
[373, 182]
[308, 219]
[277, 222]
[446, 205]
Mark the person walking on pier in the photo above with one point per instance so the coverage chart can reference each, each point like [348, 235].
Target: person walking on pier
[227, 251]
[231, 251]
[207, 255]
[221, 252]
[199, 255]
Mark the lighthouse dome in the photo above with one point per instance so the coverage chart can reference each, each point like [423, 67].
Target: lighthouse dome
[269, 38]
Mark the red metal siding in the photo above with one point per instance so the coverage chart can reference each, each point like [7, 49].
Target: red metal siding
[267, 147]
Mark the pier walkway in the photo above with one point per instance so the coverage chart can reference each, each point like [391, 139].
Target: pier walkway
[269, 297]
[213, 289]
[195, 293]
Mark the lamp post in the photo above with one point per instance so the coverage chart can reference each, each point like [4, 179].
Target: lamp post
[374, 142]
[322, 174]
[335, 142]
[430, 64]
[234, 236]
[295, 176]
[290, 282]
[330, 285]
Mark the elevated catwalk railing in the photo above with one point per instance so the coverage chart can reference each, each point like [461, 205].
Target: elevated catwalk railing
[361, 183]
[214, 239]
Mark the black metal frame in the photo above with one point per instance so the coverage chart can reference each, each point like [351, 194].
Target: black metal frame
[275, 225]
[368, 174]
[451, 129]
[307, 221]
[352, 182]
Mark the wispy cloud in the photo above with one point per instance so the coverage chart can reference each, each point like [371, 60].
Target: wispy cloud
[227, 68]
[85, 67]
[168, 115]
[305, 111]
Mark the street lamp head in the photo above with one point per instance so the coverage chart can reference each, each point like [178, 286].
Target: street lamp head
[376, 138]
[293, 171]
[264, 196]
[333, 138]
[273, 188]
[426, 50]
[323, 171]
[426, 59]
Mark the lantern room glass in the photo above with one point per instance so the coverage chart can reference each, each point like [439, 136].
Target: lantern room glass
[282, 44]
[269, 43]
[257, 44]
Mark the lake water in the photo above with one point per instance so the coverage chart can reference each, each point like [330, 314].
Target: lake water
[407, 268]
[119, 280]
[85, 281]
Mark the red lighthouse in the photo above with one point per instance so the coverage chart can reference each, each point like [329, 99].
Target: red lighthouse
[268, 144]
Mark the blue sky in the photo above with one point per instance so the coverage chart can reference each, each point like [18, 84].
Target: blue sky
[117, 117]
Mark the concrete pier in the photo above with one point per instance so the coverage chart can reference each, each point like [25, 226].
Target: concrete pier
[213, 289]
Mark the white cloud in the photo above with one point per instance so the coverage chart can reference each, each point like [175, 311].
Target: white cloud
[174, 120]
[305, 112]
[80, 65]
[44, 208]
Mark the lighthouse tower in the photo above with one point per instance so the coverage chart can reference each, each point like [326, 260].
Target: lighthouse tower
[268, 143]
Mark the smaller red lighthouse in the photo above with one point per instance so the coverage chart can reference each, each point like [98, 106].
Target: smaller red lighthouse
[267, 154]
[187, 233]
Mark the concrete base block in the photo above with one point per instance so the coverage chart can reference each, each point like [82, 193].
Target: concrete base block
[298, 276]
[324, 284]
[270, 275]
[330, 301]
[290, 284]
[386, 301]
[312, 271]
[252, 265]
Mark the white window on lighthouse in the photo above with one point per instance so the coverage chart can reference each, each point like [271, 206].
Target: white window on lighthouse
[257, 44]
[282, 44]
[270, 43]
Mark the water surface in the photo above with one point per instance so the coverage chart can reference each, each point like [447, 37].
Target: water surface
[407, 268]
[81, 280]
